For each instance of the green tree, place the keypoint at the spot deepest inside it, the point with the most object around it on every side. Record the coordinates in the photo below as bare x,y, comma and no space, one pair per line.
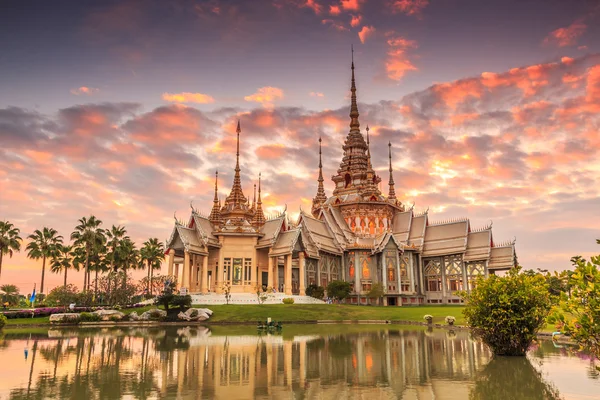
10,241
63,261
339,290
315,291
88,234
10,294
583,306
376,292
508,311
63,295
44,244
152,253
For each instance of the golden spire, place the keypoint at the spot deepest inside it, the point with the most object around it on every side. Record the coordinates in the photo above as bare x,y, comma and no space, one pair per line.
254,199
215,213
392,193
354,124
236,198
368,150
259,216
321,196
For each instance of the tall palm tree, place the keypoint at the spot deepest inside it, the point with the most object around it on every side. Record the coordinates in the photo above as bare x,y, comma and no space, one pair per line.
44,244
88,234
63,261
114,237
129,257
152,253
10,241
99,262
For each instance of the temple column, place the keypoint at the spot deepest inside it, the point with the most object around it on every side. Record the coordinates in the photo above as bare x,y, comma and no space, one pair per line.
276,273
302,363
271,272
204,281
357,273
384,277
253,272
194,273
177,276
302,272
171,259
219,270
399,277
287,359
185,274
288,274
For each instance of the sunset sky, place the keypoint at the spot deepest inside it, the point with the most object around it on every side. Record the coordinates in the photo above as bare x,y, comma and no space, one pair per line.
124,110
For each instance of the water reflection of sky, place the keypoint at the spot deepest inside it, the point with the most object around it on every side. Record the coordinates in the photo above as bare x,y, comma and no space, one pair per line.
306,362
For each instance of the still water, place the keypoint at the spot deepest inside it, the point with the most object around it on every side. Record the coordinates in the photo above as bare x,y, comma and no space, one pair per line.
305,362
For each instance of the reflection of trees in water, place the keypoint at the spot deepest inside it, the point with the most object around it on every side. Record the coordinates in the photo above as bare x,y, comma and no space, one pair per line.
511,378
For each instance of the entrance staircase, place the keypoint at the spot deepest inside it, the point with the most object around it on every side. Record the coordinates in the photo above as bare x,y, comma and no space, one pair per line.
250,298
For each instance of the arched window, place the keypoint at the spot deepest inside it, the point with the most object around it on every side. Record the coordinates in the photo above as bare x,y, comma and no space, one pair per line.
433,275
454,277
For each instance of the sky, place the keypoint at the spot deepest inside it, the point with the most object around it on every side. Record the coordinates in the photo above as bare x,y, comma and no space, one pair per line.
125,109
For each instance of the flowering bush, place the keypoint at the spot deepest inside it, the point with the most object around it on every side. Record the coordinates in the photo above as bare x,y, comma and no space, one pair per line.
288,300
428,318
450,320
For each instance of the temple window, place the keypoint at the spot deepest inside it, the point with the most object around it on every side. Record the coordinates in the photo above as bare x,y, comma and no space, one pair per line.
237,271
247,270
311,272
404,273
226,269
474,270
454,276
335,274
348,179
433,275
371,226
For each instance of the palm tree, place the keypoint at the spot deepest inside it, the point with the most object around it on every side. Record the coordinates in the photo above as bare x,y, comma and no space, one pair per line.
62,261
129,257
10,295
10,241
152,253
44,244
88,234
114,238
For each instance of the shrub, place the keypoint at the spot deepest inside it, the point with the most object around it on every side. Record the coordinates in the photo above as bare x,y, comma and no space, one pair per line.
428,318
583,306
507,312
450,320
288,300
318,292
376,291
339,290
89,317
63,295
2,321
182,302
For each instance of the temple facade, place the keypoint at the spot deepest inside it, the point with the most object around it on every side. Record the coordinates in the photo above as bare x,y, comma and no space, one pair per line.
358,234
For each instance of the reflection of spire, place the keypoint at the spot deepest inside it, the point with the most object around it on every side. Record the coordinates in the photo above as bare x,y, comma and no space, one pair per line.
392,193
259,216
354,124
321,196
215,213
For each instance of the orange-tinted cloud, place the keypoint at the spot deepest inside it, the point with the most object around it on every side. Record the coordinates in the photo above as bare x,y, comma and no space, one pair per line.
187,97
355,20
316,94
266,96
313,5
365,32
335,24
408,7
397,62
84,90
334,10
566,36
350,5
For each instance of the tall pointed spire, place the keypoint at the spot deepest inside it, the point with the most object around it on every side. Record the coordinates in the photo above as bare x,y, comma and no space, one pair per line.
354,124
254,199
215,213
236,198
259,216
369,165
392,192
321,197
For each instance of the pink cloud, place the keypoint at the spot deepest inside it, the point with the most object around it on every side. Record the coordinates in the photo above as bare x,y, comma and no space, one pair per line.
366,32
408,7
334,10
355,20
566,36
187,97
397,62
84,90
350,5
266,96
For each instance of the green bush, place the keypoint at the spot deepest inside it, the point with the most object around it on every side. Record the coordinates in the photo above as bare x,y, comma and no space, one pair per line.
63,296
2,321
318,292
583,306
507,312
288,300
182,302
89,317
339,290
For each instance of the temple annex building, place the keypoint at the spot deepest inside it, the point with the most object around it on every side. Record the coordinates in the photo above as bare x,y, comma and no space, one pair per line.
358,235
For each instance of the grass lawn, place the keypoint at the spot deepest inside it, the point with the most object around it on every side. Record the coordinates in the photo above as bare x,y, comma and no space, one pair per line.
311,312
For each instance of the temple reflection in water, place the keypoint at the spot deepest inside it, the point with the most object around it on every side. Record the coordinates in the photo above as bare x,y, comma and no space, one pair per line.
198,363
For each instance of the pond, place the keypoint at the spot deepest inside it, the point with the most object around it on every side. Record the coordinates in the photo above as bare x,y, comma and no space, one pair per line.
304,362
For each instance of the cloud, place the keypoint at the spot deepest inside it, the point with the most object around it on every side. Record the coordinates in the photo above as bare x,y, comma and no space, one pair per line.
350,5
365,32
408,7
84,90
187,97
355,20
334,10
567,36
313,5
316,94
266,96
335,24
397,62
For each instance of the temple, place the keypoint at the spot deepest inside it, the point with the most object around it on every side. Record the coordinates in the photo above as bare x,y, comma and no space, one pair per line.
358,234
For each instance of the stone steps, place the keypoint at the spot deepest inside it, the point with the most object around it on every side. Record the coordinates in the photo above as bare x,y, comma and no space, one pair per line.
248,298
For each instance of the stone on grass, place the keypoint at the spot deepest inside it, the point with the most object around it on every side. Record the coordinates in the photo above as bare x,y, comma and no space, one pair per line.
194,314
109,315
133,316
153,314
64,318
